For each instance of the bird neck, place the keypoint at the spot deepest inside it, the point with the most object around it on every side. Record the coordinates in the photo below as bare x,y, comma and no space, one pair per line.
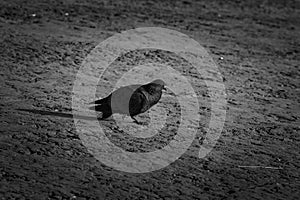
154,97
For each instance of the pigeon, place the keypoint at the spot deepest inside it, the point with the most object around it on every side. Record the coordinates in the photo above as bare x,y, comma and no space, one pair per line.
130,100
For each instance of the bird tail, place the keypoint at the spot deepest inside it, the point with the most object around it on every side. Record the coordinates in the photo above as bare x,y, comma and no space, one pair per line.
100,101
100,108
104,109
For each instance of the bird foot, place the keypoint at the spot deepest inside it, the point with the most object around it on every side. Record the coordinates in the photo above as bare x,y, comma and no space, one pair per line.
137,122
141,123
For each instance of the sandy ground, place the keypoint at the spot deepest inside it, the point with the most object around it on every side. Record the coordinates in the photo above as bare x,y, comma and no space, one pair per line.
254,43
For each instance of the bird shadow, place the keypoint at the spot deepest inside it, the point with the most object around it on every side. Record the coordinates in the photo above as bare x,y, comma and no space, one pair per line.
58,114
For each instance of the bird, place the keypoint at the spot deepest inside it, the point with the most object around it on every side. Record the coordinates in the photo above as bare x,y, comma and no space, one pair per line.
130,100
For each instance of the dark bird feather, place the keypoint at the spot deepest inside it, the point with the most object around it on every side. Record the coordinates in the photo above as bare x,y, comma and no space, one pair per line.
130,100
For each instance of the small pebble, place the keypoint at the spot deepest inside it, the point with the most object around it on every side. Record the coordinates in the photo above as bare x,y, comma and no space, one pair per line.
73,197
66,14
33,15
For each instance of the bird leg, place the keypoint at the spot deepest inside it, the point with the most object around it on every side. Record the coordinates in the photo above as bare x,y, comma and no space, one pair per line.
135,120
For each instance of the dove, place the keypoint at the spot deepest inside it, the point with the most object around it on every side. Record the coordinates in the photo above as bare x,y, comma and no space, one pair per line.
130,100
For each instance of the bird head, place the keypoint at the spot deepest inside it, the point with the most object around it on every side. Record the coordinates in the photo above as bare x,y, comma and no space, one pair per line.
156,86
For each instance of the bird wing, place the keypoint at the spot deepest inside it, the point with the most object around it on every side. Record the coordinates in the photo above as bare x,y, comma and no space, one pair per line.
120,100
130,100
